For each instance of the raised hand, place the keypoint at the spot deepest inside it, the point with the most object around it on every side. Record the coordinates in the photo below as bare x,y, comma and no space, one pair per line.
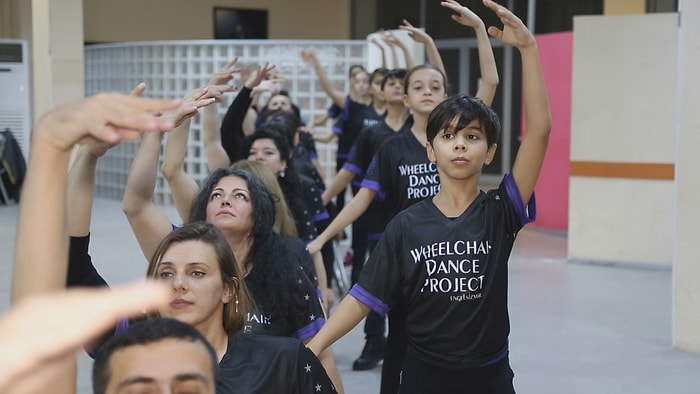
29,344
309,57
225,74
390,38
514,31
108,117
372,39
464,16
253,78
416,34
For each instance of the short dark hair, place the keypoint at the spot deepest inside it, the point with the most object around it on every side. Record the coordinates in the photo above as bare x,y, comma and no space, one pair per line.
464,109
274,131
143,333
396,73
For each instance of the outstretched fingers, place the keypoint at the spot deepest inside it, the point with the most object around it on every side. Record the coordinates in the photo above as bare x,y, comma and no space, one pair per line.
108,117
514,31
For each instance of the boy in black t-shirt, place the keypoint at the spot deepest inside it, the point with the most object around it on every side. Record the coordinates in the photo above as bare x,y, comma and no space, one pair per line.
446,257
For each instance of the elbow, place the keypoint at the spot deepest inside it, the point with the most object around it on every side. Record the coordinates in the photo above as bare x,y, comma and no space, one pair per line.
491,82
170,170
129,208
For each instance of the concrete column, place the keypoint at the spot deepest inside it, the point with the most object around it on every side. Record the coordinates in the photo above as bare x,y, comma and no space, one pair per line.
56,43
686,267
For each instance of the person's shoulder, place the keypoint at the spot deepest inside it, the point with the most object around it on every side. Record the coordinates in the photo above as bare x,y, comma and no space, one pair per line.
273,344
293,245
396,144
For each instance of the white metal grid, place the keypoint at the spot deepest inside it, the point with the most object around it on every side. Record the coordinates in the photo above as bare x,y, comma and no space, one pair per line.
172,68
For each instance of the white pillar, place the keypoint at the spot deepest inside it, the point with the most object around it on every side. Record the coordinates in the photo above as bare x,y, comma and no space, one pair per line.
686,255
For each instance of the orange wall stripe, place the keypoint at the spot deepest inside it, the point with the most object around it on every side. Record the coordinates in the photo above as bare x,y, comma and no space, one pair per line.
604,169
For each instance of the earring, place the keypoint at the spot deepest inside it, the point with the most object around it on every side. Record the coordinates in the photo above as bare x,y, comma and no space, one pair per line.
236,302
282,174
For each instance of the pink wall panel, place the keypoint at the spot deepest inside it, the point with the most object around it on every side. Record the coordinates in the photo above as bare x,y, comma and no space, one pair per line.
552,190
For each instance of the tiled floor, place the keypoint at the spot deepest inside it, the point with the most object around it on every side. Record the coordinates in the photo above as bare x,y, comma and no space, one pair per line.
575,328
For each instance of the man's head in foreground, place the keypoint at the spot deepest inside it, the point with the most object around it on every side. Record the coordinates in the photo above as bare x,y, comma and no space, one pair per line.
155,356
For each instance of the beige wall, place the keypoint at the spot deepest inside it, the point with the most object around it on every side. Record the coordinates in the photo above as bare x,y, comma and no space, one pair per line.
622,131
139,20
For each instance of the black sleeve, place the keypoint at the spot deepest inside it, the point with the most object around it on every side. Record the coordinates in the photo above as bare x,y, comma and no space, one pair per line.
81,271
312,376
232,125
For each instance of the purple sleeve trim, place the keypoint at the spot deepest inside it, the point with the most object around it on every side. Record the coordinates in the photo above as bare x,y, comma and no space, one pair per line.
374,185
313,155
374,236
356,183
352,168
527,214
122,324
310,329
368,299
321,216
337,130
341,155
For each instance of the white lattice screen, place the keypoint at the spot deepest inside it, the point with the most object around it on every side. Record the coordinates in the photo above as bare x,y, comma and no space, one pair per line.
170,69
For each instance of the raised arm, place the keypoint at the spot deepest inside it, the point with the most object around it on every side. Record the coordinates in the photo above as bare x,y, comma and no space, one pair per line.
104,117
350,212
232,124
81,184
107,117
487,62
538,120
182,185
149,224
372,39
336,96
393,41
431,51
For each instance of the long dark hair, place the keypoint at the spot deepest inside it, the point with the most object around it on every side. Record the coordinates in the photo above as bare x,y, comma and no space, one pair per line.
272,275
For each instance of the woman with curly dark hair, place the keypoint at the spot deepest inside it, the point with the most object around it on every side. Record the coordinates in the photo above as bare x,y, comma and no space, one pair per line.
237,203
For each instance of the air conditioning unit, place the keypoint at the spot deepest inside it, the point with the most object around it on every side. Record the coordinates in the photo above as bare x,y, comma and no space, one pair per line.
15,105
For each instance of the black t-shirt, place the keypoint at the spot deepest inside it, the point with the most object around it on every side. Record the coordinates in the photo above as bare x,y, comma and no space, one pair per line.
300,255
401,173
263,364
368,143
354,118
303,197
302,164
363,151
452,273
